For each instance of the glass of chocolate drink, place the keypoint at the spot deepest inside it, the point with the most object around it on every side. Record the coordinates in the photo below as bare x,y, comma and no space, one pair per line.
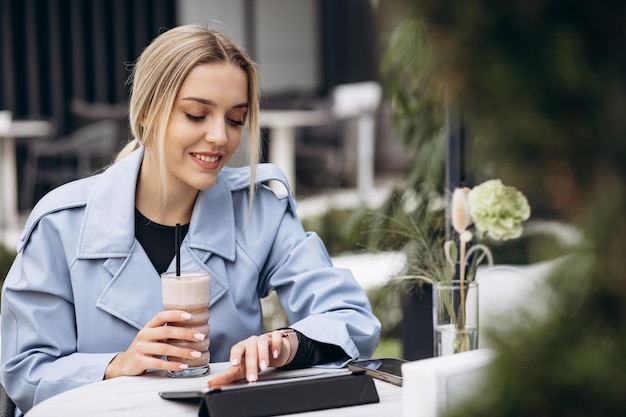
189,292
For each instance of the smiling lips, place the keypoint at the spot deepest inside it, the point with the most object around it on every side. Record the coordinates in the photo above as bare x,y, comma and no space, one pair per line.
206,158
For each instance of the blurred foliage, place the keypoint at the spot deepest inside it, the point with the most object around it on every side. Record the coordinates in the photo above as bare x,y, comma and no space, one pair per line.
6,259
542,86
416,102
537,82
350,231
386,305
356,230
339,229
418,119
389,348
274,316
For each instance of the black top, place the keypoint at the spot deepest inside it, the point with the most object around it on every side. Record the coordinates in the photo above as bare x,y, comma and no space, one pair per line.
159,243
157,240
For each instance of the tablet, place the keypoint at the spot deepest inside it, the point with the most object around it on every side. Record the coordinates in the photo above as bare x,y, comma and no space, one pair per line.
265,378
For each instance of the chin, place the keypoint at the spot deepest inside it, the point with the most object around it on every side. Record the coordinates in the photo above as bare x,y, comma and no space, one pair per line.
205,185
202,181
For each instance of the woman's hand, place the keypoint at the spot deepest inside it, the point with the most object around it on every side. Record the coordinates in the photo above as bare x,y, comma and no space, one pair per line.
150,345
255,354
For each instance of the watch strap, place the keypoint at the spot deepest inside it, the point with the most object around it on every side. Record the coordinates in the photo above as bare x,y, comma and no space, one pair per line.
292,338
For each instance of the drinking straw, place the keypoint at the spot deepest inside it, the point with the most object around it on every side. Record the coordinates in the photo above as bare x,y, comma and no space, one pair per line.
177,239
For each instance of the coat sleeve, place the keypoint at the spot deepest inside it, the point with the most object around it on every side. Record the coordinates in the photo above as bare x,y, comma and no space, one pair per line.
321,301
39,350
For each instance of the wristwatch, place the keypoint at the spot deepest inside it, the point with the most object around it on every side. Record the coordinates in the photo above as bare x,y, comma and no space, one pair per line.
292,338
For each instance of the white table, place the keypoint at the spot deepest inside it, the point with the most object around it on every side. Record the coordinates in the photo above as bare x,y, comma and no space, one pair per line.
8,171
282,125
138,397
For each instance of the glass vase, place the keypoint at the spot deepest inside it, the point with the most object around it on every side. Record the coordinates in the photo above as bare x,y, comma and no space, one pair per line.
455,317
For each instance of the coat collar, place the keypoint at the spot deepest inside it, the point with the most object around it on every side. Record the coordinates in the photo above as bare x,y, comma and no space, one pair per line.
109,224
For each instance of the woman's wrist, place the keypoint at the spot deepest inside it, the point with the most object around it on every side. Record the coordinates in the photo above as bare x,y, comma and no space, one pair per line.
112,369
291,337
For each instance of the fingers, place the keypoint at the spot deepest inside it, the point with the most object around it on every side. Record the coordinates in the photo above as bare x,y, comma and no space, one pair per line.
265,350
276,344
141,356
177,333
251,356
245,362
168,316
244,356
233,373
150,346
157,330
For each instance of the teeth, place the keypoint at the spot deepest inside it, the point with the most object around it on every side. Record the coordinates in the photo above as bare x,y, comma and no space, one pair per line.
205,158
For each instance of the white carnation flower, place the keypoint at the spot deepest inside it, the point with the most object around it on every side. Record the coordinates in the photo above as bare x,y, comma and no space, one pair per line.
498,211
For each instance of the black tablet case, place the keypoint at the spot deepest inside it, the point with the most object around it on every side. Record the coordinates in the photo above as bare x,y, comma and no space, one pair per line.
295,396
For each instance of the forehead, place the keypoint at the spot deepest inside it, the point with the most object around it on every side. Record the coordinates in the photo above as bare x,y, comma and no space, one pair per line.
222,83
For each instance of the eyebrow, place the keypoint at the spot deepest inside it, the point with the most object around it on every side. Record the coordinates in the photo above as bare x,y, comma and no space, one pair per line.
213,103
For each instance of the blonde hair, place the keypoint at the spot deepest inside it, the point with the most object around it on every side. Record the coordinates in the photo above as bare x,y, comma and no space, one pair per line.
160,71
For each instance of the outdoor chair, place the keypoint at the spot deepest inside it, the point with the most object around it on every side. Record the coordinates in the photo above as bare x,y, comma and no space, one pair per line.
341,153
54,162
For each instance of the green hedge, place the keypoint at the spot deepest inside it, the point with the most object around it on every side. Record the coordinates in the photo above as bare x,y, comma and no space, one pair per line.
6,259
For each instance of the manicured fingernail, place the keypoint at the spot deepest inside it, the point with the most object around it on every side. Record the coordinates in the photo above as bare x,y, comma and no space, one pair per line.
234,362
199,336
252,378
195,354
186,316
183,366
275,354
263,365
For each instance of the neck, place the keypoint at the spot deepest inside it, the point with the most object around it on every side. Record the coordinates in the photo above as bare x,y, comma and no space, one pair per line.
175,207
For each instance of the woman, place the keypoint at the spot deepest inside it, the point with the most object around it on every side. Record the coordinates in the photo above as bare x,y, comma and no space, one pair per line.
82,301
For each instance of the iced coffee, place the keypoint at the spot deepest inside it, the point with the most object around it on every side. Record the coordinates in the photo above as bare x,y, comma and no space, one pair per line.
189,292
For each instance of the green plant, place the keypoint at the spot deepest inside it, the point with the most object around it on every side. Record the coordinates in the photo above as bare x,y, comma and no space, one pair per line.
329,227
385,302
543,88
416,97
6,260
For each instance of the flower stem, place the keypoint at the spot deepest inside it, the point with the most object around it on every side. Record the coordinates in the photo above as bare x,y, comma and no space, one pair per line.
464,345
461,323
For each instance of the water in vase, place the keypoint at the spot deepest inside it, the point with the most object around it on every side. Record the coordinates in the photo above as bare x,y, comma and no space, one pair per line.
449,339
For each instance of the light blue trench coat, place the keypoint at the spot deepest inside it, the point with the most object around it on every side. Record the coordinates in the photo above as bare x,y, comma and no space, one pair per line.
81,285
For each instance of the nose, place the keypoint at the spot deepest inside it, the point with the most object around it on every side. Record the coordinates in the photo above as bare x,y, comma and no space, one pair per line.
216,131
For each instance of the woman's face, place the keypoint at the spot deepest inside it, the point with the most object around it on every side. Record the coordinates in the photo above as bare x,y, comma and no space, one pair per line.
206,124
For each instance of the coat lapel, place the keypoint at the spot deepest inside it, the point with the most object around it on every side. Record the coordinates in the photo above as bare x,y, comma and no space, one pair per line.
212,228
134,292
108,229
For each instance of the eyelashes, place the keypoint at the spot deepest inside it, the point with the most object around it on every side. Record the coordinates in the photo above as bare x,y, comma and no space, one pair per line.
199,118
194,118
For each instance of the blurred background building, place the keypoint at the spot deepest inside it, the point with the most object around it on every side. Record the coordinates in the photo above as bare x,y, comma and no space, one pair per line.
67,61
